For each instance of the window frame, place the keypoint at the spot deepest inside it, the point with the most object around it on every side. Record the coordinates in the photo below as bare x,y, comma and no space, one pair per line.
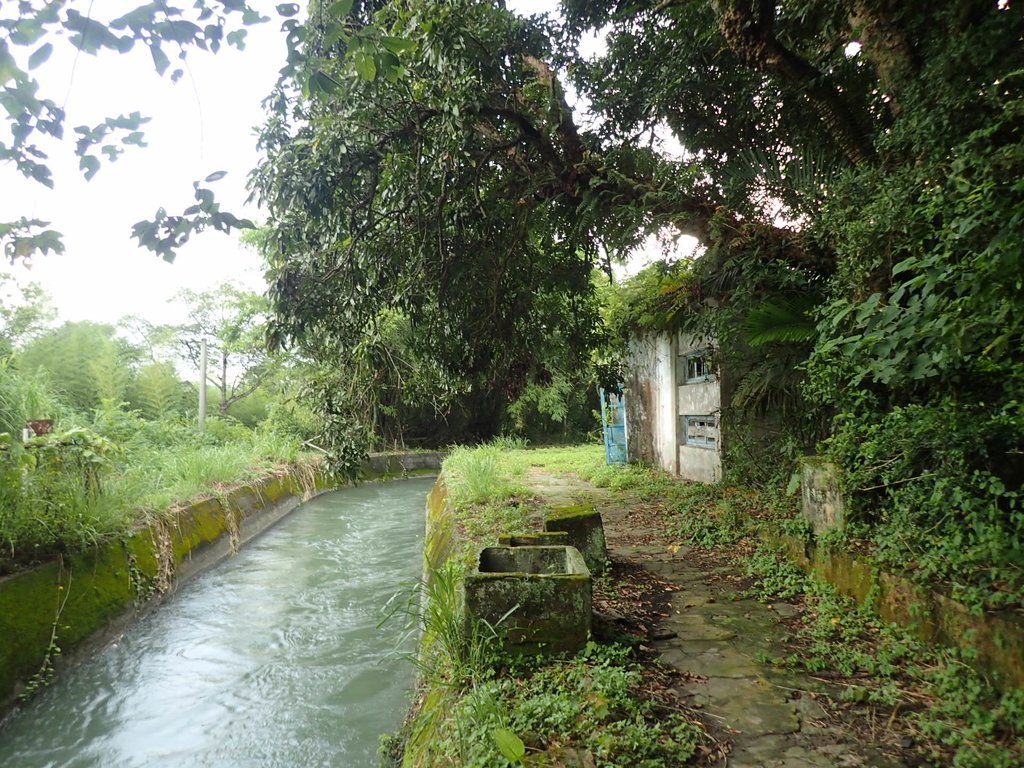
703,358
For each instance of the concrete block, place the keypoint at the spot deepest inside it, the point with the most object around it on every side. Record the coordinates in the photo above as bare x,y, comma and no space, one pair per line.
543,593
586,532
822,499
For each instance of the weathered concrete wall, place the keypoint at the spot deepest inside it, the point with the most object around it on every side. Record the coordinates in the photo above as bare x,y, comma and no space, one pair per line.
401,464
442,542
658,400
995,641
650,402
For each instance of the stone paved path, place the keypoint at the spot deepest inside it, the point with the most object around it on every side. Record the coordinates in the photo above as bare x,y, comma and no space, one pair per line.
770,716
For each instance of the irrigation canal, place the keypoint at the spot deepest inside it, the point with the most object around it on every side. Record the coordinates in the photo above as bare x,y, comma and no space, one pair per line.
272,658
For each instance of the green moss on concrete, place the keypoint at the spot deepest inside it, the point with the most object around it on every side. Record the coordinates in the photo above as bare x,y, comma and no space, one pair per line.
994,642
92,589
539,601
28,605
442,538
421,727
570,512
141,550
583,524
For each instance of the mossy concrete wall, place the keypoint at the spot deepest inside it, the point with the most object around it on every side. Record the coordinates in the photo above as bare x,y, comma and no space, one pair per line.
994,641
379,465
79,601
441,543
821,496
442,540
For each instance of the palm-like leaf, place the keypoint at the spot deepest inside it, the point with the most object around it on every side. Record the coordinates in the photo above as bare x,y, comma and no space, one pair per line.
782,321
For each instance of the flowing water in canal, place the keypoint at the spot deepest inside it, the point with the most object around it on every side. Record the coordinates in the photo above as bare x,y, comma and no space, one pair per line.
272,658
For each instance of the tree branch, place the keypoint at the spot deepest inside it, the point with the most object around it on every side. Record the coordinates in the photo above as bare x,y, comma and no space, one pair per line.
885,45
753,43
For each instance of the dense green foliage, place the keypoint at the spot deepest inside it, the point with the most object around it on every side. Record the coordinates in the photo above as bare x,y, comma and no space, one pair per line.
889,320
952,710
124,445
102,471
851,172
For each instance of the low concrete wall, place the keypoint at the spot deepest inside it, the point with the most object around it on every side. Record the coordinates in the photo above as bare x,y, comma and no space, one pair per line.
401,464
995,641
441,540
441,543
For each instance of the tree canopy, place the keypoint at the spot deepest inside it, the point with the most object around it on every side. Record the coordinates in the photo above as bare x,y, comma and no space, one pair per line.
851,170
30,31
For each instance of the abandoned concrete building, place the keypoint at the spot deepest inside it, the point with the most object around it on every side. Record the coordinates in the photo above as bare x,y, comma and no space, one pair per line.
673,404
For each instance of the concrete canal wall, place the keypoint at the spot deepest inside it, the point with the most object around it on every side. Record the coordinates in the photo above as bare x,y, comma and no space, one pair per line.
62,610
993,641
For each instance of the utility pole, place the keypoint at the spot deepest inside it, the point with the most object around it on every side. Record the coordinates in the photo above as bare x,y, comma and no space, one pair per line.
202,385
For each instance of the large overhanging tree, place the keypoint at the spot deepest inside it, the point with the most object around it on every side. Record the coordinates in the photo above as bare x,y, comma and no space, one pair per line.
432,165
863,157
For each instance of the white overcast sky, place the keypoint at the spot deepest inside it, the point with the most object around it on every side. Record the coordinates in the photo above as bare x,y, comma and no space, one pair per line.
202,124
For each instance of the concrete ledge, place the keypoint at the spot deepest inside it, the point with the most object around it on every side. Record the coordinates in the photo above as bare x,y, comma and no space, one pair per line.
995,640
539,539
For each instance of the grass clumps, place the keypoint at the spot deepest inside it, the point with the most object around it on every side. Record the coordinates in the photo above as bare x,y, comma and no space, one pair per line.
487,489
483,474
68,490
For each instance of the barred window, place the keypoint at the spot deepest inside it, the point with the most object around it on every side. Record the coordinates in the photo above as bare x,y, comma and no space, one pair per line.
700,431
694,367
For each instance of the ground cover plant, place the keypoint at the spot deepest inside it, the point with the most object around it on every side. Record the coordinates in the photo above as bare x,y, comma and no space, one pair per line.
947,710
